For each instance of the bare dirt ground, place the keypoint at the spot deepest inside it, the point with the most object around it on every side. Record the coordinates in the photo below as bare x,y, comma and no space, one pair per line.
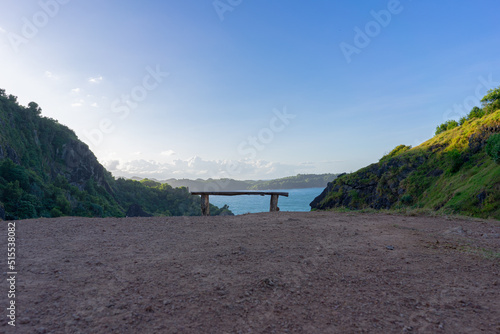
317,272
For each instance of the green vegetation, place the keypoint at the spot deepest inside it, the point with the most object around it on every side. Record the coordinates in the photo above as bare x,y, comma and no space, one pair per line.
455,172
448,125
493,147
396,151
45,171
490,102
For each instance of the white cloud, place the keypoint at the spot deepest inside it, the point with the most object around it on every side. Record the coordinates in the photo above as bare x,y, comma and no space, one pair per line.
112,165
94,105
196,167
78,104
96,80
3,31
50,75
76,91
168,153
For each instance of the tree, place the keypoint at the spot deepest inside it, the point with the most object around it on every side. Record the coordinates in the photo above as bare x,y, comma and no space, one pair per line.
492,96
451,124
476,112
12,98
33,106
14,173
448,125
440,128
491,101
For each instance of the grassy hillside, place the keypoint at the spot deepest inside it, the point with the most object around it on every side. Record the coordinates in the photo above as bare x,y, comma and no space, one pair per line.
45,171
456,172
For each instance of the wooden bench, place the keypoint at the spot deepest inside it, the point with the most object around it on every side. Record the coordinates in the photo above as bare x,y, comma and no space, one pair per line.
205,204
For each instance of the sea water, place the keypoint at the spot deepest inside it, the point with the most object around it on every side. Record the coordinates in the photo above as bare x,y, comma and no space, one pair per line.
297,200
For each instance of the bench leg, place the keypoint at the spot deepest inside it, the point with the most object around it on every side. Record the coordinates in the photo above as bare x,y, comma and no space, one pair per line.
205,205
274,203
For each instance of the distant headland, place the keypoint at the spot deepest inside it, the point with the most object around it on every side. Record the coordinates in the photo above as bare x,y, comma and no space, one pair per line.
299,181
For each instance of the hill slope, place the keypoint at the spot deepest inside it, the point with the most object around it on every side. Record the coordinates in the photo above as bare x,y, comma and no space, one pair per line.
45,171
450,173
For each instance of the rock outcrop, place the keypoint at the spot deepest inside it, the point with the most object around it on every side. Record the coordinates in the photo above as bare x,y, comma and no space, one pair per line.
378,186
81,165
6,152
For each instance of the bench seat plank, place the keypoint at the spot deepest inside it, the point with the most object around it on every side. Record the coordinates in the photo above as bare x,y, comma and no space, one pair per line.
236,193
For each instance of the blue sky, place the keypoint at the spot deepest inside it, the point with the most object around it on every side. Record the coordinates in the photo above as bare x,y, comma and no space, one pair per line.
248,89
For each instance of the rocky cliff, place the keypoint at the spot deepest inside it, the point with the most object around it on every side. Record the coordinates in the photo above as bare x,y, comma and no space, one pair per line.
44,145
377,186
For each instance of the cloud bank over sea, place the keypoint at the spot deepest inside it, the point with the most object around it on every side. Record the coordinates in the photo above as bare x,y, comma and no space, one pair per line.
196,167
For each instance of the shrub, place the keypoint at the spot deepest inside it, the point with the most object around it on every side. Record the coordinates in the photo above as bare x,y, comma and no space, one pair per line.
476,113
440,128
448,125
451,124
63,204
55,212
491,101
456,160
493,147
491,96
396,151
407,199
26,210
12,172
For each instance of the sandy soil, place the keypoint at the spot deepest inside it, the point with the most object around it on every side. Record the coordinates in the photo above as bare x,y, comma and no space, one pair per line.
318,272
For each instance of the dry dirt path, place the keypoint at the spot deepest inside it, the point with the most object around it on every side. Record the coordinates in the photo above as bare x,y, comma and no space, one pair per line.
317,272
